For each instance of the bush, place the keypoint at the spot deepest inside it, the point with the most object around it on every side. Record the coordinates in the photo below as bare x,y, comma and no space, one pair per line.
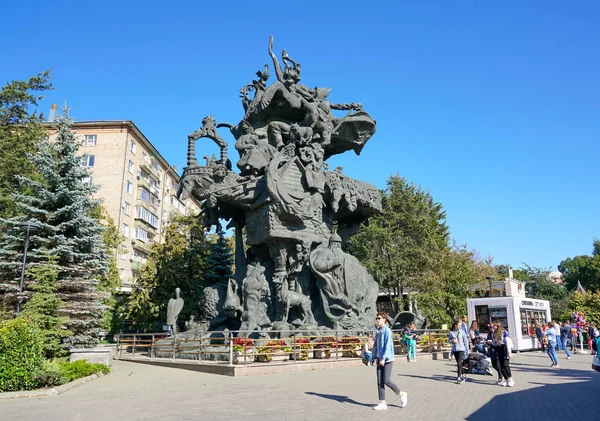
20,355
50,375
81,368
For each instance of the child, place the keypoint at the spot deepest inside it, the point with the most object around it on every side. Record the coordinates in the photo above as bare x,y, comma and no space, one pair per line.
410,340
367,352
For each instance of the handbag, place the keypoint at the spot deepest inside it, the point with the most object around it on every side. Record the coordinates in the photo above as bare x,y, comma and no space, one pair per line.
596,364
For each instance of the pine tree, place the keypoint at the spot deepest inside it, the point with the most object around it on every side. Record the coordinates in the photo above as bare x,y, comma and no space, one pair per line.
62,203
220,261
44,306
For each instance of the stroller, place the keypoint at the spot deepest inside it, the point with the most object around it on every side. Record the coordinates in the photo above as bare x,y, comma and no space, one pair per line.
477,363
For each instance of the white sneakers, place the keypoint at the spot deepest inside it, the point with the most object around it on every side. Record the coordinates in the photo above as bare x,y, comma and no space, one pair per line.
507,383
403,402
403,399
568,358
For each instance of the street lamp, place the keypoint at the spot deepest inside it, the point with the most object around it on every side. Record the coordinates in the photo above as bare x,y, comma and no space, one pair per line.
28,227
490,279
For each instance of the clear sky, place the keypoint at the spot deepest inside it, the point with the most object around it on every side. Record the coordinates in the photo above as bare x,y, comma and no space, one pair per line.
491,106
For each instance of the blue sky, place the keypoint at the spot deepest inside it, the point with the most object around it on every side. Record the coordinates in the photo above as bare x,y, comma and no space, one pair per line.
491,106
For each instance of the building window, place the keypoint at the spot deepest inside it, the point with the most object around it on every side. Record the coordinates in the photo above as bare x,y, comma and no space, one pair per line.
125,230
127,208
144,156
90,140
143,213
129,187
131,167
87,161
156,165
132,147
141,234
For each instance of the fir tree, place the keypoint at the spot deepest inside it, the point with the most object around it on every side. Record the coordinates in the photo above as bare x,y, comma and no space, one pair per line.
44,306
220,261
62,203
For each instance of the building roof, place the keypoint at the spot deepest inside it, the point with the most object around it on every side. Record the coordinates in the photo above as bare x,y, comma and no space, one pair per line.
131,125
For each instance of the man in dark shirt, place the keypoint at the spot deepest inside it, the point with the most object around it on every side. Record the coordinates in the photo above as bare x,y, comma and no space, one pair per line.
565,335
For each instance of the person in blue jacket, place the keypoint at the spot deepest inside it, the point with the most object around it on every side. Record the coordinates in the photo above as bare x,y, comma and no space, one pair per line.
383,356
460,346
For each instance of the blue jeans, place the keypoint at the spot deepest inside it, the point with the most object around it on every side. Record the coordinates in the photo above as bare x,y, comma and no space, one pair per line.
552,353
565,346
558,344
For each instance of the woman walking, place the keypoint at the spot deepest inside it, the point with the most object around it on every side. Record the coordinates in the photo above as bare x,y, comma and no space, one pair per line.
551,348
383,355
502,345
460,346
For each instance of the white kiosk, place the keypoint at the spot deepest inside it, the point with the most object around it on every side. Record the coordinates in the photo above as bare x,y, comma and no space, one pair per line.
516,312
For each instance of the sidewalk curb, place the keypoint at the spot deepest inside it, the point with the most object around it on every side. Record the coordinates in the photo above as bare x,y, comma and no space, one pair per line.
48,392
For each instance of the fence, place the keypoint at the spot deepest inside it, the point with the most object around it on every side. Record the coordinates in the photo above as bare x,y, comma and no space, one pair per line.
239,347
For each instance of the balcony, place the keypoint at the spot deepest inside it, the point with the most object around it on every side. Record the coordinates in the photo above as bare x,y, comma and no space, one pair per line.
146,166
137,265
140,245
140,202
146,225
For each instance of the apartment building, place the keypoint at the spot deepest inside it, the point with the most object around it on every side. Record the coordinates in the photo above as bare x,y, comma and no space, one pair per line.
137,185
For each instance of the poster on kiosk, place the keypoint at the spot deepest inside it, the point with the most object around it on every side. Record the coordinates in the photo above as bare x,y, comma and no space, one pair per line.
508,305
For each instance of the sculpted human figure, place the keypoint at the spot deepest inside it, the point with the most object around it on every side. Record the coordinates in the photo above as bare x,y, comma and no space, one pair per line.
255,153
328,266
174,307
256,296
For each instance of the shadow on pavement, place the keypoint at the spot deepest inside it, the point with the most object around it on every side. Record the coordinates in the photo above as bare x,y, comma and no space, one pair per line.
342,399
574,399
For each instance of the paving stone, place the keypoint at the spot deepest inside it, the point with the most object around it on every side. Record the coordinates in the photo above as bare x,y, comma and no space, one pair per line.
142,392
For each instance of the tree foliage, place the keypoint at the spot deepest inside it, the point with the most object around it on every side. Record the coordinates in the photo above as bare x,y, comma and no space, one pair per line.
588,303
220,260
20,133
179,262
61,201
43,308
402,246
444,298
585,269
539,286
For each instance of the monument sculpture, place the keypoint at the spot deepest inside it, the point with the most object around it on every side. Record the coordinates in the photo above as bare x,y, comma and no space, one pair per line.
174,307
288,210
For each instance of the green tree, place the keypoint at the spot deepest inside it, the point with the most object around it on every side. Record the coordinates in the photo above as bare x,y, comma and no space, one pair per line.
110,282
179,262
444,298
589,304
539,286
585,269
220,260
62,202
43,308
402,246
20,133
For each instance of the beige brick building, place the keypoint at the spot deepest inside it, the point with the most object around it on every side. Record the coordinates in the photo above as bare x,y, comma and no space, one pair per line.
137,185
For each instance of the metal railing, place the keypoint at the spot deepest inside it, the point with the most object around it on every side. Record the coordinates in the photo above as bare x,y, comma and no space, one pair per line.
241,347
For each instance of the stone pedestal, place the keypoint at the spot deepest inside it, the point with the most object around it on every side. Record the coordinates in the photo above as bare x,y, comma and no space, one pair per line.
92,355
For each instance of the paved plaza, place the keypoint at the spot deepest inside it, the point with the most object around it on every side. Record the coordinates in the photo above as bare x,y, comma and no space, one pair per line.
141,392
